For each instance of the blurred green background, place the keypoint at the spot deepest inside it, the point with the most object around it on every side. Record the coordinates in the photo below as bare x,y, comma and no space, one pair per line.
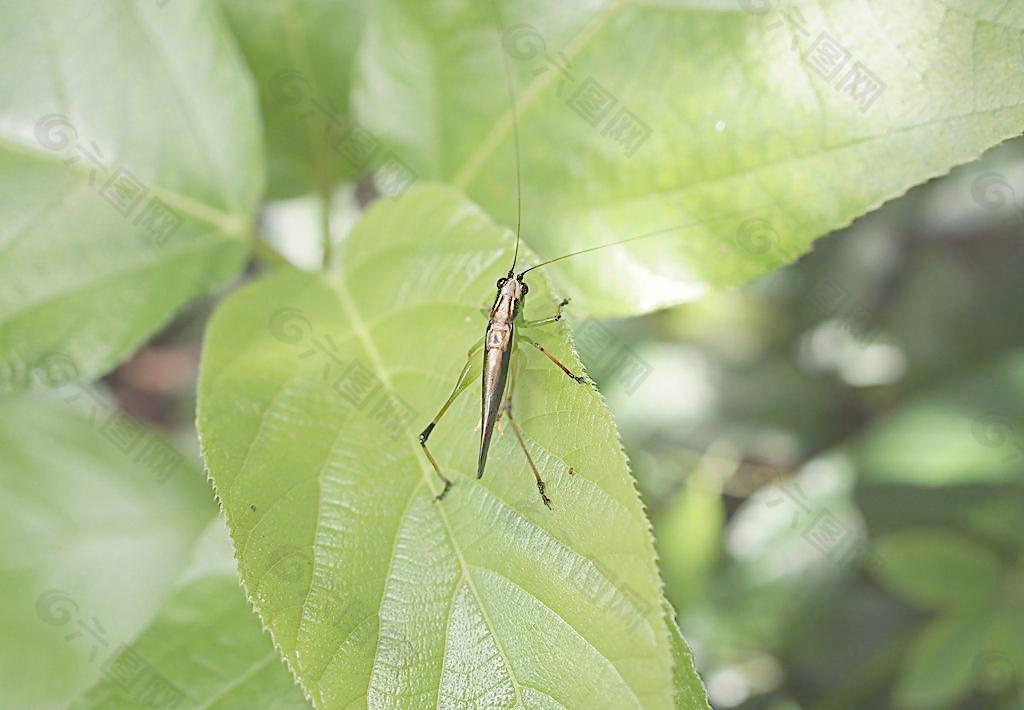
831,456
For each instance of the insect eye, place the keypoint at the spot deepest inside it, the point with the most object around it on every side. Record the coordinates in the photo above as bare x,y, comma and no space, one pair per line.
526,289
501,282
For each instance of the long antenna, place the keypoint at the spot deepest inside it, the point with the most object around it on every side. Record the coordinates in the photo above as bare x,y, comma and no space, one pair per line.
645,235
515,129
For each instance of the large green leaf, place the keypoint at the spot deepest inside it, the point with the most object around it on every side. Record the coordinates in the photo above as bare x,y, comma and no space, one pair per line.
130,166
980,648
943,659
744,133
310,397
970,430
205,648
301,53
935,569
90,539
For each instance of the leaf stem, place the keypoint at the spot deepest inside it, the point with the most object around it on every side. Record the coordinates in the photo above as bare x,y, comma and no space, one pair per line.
325,226
266,254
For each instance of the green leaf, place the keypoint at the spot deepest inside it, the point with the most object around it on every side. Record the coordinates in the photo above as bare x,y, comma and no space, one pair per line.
127,181
301,53
92,541
205,648
690,693
935,569
999,519
970,430
942,661
310,397
744,134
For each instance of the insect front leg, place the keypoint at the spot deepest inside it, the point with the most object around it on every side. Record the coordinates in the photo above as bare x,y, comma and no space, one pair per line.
552,358
465,378
550,319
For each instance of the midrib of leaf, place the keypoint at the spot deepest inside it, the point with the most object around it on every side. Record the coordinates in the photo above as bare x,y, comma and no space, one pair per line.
528,96
362,334
231,225
123,269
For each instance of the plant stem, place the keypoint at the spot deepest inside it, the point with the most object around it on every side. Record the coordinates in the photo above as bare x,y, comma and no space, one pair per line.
325,227
268,255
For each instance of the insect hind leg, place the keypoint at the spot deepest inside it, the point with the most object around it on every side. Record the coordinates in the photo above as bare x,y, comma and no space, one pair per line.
465,378
541,486
437,469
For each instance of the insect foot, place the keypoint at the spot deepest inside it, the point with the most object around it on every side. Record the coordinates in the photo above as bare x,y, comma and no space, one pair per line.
440,496
543,495
558,311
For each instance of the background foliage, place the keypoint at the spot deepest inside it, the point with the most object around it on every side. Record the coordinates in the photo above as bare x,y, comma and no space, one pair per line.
830,454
